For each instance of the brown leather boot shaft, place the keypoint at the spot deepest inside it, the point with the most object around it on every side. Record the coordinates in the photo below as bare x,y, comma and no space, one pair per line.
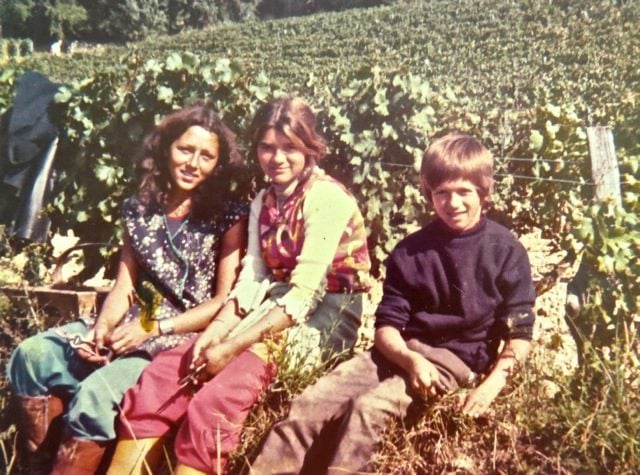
36,415
79,457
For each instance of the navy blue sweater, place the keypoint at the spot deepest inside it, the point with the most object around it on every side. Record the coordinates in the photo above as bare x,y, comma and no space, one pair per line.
461,291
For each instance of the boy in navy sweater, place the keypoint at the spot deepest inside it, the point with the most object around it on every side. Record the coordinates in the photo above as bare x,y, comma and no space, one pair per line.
453,291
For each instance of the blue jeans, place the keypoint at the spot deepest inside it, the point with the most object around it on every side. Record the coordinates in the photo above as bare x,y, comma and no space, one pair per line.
46,364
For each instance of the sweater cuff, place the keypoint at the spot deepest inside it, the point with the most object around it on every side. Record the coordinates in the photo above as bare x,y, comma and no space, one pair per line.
520,326
299,303
249,295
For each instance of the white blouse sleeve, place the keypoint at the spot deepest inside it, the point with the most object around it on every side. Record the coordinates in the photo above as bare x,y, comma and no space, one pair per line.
253,281
326,213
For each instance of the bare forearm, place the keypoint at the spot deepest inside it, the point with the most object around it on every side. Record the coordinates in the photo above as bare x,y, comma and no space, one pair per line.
197,318
390,343
114,307
510,360
273,322
224,322
121,296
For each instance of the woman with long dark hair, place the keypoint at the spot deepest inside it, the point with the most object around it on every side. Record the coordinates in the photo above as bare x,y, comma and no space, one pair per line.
183,239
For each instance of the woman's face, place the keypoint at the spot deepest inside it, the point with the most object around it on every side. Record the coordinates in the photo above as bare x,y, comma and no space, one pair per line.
193,157
280,159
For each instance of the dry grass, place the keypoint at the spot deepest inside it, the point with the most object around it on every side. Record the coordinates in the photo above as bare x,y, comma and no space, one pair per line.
554,418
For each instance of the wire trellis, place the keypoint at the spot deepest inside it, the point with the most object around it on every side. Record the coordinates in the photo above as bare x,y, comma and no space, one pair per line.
512,175
538,178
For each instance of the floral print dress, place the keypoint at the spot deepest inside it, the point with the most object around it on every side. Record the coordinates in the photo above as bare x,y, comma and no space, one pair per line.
177,264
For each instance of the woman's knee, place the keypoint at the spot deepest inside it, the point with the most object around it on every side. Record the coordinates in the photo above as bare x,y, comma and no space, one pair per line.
30,365
227,401
33,351
92,411
42,355
222,409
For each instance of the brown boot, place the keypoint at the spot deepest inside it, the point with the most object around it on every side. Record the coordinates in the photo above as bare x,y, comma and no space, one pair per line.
79,457
40,426
36,415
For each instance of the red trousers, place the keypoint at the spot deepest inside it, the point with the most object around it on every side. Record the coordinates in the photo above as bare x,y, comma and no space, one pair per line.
218,409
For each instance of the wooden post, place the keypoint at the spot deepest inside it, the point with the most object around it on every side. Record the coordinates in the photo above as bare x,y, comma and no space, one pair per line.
604,165
606,177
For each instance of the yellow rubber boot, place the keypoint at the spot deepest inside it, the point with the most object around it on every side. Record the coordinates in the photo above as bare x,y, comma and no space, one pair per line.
186,470
135,456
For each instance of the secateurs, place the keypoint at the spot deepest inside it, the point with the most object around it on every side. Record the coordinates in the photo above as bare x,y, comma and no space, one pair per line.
78,342
190,380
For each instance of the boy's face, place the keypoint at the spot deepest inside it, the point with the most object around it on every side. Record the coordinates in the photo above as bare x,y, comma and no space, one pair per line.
458,204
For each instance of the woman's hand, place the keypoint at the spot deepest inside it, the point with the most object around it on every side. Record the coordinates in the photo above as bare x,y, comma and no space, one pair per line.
216,331
216,359
127,337
100,331
210,337
93,355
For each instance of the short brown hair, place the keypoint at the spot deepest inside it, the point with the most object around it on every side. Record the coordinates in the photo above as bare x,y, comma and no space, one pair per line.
294,118
457,156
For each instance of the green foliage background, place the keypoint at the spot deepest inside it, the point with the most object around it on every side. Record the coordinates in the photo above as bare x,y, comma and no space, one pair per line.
44,21
527,77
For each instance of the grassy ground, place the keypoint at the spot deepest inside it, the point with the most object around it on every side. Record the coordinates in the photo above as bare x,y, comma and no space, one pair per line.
553,418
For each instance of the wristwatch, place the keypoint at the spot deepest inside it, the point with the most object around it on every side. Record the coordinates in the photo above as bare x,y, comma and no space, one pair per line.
166,326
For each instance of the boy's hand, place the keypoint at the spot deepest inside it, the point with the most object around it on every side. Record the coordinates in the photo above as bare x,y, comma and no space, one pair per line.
479,400
424,377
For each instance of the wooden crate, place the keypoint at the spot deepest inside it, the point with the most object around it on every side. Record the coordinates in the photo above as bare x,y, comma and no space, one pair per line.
58,305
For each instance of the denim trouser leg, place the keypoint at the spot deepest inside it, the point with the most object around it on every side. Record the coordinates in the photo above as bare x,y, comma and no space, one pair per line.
93,411
45,363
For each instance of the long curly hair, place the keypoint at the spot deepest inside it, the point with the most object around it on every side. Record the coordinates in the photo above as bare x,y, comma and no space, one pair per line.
152,166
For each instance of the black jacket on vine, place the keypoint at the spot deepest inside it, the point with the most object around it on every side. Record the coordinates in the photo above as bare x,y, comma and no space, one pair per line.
27,148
